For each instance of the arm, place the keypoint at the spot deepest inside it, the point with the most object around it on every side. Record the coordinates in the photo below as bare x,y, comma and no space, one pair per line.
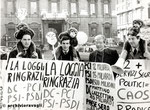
123,54
90,57
116,56
39,55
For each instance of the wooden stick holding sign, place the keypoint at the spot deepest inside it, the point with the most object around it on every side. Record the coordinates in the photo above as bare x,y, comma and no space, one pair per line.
51,39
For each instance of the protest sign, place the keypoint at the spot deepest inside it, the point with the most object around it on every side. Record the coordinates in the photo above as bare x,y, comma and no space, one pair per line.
133,86
63,86
2,77
36,84
100,87
23,84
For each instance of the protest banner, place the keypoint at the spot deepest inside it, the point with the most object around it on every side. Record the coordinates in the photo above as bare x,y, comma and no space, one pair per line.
63,86
133,86
2,77
23,84
35,84
100,87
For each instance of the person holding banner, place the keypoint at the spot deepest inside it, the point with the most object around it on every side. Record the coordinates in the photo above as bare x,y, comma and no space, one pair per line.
25,47
103,54
66,51
134,47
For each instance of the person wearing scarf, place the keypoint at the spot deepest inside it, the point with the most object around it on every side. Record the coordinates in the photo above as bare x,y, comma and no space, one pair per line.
25,47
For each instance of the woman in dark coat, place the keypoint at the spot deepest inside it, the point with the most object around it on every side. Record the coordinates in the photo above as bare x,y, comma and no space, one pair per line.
25,47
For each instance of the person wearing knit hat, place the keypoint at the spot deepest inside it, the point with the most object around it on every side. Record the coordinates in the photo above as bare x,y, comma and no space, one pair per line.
65,51
72,33
25,47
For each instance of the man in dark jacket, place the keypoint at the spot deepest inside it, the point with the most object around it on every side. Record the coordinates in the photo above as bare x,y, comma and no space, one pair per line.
25,47
66,51
103,54
134,47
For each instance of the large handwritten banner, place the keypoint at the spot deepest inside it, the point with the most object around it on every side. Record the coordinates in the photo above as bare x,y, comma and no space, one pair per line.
23,84
42,84
133,86
63,86
100,87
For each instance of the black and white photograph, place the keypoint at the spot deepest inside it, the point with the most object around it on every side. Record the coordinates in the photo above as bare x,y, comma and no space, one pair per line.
75,55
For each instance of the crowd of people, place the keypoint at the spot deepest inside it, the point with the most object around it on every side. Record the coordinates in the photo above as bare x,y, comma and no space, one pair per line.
134,47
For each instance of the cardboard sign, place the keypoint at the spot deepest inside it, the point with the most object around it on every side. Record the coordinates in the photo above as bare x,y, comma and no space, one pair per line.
100,87
133,86
63,86
32,84
23,84
3,64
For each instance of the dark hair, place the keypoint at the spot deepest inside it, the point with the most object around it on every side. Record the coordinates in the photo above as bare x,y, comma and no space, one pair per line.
73,41
64,37
20,33
72,29
22,26
133,32
127,46
138,21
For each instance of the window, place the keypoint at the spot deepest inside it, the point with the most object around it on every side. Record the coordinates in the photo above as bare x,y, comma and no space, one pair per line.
93,28
107,29
119,19
138,14
130,17
149,12
92,7
75,25
10,30
107,32
73,7
10,7
106,7
33,7
36,28
124,18
54,6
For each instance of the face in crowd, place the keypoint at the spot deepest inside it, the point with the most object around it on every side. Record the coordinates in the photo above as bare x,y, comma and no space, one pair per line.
133,37
100,42
26,40
73,34
65,44
133,40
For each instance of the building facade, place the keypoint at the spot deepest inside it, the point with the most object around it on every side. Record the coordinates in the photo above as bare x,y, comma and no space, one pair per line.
90,16
129,10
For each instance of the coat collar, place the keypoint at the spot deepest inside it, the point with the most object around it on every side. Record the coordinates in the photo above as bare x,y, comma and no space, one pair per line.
31,48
